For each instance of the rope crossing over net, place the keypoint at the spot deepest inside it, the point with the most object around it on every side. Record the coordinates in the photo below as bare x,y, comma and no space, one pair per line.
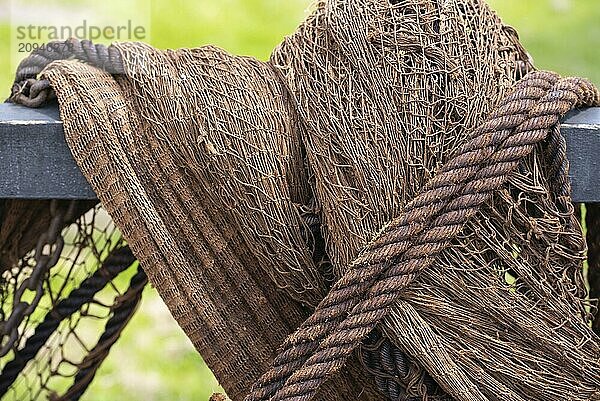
410,243
261,197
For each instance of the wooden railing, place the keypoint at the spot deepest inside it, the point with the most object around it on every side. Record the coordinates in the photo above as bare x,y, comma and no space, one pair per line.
35,162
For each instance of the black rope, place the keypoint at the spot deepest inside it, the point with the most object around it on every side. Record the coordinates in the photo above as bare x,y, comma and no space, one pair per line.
118,260
28,91
123,311
395,374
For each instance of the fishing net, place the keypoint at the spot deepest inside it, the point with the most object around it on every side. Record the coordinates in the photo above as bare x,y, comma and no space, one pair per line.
65,301
381,210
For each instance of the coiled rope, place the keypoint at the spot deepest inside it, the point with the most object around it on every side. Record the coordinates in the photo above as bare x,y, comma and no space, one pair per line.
395,374
27,90
410,243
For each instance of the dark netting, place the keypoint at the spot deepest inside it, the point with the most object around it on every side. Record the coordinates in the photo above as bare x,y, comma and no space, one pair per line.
65,302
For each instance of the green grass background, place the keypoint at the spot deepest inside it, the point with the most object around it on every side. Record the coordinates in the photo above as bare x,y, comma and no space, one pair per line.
154,361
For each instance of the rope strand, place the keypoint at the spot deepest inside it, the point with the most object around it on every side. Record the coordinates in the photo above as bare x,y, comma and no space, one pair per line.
410,243
28,91
592,219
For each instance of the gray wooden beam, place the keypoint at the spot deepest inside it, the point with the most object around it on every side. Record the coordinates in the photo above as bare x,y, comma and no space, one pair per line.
581,128
35,161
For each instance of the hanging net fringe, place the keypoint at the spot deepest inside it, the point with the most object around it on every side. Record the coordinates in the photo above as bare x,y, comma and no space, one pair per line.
65,303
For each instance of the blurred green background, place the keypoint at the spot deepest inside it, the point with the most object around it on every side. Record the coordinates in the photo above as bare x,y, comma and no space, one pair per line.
154,360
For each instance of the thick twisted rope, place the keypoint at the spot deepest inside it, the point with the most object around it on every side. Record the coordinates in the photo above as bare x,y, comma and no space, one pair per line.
386,362
411,242
27,90
395,375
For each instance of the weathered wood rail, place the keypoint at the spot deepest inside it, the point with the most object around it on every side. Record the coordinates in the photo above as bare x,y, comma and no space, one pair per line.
35,162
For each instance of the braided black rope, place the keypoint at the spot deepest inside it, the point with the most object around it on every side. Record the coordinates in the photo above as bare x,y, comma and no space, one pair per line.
395,375
118,260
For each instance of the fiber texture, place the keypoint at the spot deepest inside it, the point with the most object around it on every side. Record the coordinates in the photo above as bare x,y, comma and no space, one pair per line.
394,176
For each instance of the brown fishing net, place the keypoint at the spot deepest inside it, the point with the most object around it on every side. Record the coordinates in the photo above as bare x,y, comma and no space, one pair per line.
380,211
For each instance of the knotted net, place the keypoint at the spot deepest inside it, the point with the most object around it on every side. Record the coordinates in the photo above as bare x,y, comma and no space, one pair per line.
69,287
382,209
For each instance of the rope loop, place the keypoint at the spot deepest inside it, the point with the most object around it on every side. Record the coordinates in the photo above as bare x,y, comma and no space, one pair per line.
29,91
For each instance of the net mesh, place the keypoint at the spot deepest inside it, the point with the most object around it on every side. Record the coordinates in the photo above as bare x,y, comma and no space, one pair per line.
73,284
307,194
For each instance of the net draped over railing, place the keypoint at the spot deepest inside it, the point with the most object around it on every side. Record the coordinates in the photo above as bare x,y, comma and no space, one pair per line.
381,210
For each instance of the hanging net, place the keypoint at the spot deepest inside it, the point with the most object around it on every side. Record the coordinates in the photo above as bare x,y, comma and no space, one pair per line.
380,211
65,301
